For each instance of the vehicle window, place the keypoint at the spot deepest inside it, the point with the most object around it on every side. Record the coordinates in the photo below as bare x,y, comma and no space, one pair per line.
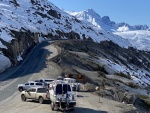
31,84
37,81
39,84
68,81
73,81
41,80
58,89
32,90
42,90
45,84
59,78
66,88
26,84
49,80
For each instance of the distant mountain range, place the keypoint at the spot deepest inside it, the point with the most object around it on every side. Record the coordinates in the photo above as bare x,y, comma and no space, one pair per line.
138,35
104,22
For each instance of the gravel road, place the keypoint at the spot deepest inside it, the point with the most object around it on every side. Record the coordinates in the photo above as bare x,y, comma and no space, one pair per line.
34,67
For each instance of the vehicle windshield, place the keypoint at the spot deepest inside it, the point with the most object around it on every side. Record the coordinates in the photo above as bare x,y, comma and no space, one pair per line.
42,90
62,90
66,88
70,80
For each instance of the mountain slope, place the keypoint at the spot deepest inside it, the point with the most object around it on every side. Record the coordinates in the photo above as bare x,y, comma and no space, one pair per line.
128,66
26,22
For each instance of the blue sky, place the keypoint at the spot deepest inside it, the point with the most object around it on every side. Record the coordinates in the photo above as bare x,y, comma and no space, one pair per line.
130,11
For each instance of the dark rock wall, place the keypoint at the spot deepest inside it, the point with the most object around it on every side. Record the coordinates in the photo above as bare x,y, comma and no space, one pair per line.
20,45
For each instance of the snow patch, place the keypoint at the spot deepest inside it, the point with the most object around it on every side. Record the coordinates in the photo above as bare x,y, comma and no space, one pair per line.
137,75
41,39
4,63
19,58
6,36
123,28
2,46
139,39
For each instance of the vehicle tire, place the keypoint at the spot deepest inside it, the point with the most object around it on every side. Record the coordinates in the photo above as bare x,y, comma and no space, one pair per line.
41,100
52,106
20,89
23,98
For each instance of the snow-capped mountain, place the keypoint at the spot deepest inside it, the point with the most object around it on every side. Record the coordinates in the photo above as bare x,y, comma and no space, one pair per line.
26,22
104,22
137,35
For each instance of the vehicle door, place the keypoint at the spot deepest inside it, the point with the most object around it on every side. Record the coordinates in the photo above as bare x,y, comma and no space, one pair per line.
32,84
31,93
72,82
27,85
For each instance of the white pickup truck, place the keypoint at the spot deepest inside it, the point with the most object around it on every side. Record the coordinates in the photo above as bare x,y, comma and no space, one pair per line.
62,97
75,86
35,93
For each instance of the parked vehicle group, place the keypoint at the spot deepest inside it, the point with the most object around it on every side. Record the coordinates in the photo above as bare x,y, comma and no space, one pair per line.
59,92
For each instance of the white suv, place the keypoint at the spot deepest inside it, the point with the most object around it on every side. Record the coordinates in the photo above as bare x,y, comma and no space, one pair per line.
48,81
29,84
73,83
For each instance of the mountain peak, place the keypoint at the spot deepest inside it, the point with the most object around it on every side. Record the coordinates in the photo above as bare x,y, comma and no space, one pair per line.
106,19
91,13
90,10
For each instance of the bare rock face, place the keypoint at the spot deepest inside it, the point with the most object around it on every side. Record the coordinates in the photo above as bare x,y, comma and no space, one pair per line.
54,14
20,45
